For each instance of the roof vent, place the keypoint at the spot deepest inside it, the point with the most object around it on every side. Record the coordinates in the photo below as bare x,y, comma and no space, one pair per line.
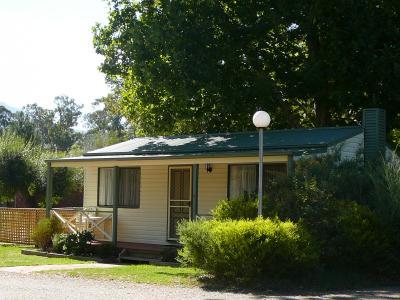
374,123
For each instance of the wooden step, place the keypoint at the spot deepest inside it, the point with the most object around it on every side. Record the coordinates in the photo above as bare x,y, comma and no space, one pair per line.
139,259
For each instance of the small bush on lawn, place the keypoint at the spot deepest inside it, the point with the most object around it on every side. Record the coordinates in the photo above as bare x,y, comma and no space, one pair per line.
44,231
59,241
79,243
247,248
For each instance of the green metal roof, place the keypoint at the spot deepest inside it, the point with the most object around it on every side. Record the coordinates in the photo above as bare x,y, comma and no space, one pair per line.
275,141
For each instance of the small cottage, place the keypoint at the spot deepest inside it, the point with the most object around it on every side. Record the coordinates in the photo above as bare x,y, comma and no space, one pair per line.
149,184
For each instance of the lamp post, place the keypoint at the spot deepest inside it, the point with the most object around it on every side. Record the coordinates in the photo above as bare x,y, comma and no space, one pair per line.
261,120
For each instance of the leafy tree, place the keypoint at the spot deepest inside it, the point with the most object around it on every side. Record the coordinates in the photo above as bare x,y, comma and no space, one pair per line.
50,128
192,66
5,117
42,119
67,113
106,125
104,118
23,126
17,173
23,171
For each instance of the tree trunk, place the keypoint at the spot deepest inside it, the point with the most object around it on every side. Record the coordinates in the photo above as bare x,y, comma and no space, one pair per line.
322,116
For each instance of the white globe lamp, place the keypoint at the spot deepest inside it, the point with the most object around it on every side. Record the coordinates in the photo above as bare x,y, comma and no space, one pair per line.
261,119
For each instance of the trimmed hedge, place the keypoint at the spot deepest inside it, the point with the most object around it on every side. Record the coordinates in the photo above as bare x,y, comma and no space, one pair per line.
247,248
235,209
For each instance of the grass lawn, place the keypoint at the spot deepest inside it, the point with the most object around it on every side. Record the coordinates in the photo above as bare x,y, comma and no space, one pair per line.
140,274
11,256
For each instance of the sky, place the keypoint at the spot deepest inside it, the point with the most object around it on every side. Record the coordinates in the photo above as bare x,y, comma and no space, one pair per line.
46,50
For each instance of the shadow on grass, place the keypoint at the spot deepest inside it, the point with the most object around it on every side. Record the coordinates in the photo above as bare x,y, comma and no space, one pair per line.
333,284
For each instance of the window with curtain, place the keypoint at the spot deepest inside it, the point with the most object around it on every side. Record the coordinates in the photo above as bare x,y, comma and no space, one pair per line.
129,187
243,179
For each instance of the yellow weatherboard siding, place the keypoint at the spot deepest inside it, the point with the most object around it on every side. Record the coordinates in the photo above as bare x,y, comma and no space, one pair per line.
148,224
212,187
90,187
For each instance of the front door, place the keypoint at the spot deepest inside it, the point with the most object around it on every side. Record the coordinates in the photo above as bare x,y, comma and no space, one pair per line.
179,197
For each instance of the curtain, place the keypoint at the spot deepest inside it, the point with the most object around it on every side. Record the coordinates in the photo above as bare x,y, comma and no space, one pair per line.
129,187
105,187
242,181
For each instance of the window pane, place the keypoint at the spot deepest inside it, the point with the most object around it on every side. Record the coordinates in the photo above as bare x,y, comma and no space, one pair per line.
242,181
129,187
105,187
180,184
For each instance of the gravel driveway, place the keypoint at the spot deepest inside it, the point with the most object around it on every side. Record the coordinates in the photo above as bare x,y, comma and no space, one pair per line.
39,286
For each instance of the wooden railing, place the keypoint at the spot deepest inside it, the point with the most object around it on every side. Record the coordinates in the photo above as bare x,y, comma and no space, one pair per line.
17,224
78,219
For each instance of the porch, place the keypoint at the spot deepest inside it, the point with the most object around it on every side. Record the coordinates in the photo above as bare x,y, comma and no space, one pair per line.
163,191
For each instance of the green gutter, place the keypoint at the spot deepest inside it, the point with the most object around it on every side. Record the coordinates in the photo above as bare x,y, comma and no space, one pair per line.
185,156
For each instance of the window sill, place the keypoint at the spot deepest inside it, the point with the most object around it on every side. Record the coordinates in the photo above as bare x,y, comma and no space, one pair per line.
110,206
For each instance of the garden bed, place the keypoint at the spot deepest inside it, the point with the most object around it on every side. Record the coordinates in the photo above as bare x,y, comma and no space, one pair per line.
11,256
38,252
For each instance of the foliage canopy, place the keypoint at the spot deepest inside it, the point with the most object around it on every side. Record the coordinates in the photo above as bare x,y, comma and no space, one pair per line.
195,66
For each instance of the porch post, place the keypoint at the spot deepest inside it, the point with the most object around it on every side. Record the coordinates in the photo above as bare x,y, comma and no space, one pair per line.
49,189
115,188
195,190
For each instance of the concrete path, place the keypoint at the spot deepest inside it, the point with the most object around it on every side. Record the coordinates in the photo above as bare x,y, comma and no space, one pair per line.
49,286
32,269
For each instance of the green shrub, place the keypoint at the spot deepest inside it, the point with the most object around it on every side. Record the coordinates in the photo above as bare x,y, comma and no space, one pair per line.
59,240
351,237
44,231
340,179
79,243
247,248
385,178
235,209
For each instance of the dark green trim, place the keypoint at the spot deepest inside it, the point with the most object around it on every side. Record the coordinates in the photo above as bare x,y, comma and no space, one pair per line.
183,156
229,182
168,187
195,191
115,187
49,189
